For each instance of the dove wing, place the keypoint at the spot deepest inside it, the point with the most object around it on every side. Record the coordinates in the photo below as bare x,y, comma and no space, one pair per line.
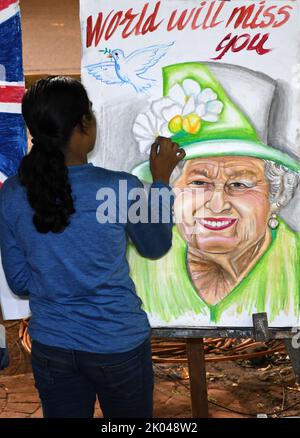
104,72
141,60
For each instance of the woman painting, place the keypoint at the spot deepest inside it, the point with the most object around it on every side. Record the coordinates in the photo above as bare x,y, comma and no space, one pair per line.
90,336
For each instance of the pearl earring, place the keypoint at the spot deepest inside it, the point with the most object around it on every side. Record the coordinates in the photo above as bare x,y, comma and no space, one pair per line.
273,222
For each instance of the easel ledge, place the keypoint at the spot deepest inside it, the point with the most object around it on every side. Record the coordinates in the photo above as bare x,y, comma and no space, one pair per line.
208,332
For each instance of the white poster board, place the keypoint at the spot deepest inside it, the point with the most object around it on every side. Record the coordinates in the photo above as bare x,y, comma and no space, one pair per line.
222,78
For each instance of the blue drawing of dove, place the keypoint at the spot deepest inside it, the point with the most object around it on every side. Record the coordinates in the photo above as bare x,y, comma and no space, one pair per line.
129,69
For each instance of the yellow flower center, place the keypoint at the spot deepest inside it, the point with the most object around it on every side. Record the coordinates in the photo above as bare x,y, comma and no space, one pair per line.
192,123
175,124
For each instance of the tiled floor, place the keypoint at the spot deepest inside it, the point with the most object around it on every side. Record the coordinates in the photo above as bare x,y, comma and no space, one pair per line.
241,389
19,399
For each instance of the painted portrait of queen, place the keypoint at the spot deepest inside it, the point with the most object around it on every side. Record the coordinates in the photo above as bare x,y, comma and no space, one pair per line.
236,249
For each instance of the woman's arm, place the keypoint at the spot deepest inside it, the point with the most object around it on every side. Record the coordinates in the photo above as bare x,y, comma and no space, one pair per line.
152,238
13,259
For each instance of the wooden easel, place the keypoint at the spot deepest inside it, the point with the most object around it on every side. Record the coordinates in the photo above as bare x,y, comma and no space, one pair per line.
195,352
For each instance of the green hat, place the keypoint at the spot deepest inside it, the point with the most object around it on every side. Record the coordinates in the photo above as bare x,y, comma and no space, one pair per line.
209,124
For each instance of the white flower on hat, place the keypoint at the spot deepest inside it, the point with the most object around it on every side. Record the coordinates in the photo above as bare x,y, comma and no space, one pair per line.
147,127
183,109
190,106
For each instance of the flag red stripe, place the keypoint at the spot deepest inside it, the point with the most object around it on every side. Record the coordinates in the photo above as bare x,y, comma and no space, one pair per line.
11,94
5,3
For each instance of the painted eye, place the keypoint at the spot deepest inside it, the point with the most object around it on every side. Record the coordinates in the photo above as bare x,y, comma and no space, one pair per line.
199,183
238,185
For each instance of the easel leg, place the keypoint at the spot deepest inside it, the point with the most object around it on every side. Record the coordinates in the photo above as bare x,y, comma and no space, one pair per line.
294,354
196,361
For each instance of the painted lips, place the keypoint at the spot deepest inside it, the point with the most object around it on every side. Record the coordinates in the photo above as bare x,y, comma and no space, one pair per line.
217,224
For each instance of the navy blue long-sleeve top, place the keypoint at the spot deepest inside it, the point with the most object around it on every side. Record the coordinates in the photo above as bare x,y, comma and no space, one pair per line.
80,291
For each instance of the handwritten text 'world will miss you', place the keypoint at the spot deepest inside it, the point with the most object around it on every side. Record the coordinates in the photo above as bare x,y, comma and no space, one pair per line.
208,15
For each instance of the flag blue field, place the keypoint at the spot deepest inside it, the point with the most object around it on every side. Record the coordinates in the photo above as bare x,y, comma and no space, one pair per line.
13,143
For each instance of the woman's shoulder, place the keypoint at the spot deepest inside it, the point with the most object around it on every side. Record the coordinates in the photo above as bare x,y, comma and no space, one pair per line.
12,195
11,187
115,176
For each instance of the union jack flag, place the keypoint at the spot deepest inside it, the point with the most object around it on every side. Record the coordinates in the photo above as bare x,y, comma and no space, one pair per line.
13,143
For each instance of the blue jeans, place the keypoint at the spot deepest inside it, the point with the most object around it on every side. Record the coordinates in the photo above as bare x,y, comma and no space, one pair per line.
69,381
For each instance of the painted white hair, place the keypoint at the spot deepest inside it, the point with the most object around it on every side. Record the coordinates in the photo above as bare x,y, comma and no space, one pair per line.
282,181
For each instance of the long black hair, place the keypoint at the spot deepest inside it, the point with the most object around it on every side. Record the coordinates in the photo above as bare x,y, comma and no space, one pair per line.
51,108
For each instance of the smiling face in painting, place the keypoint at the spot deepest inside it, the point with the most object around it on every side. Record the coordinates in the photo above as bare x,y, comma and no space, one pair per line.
222,204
